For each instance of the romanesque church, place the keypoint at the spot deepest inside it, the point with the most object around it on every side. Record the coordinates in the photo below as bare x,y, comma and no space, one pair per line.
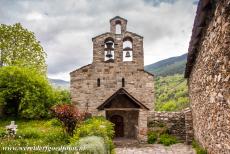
115,84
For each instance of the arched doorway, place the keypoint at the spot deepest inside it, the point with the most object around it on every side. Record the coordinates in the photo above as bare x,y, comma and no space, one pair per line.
119,125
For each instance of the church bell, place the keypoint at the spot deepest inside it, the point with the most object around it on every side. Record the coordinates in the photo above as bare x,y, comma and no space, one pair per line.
109,48
109,54
127,55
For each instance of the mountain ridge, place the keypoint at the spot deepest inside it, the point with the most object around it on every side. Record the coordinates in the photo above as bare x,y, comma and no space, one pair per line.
169,66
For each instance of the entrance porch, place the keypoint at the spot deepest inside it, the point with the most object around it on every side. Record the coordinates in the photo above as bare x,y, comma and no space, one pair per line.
125,122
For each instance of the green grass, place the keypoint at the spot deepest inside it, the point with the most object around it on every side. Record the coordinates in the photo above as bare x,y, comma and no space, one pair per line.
34,133
198,148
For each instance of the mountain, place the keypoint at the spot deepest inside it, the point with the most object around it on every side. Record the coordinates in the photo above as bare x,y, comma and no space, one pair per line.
58,83
170,66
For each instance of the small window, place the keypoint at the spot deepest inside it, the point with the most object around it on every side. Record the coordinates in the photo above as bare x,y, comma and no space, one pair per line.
98,82
123,82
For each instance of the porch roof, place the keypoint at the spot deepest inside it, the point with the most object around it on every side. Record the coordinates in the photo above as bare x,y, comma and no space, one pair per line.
122,91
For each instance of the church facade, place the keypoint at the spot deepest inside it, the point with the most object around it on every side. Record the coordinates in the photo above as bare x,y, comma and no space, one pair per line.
115,84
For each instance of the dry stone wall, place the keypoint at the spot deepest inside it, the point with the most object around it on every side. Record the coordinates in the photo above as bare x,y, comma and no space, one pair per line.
178,124
209,82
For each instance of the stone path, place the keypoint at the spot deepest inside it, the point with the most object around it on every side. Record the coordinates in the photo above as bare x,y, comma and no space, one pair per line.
157,149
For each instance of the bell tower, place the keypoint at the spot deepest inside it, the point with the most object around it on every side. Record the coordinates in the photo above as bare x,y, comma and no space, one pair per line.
119,47
118,25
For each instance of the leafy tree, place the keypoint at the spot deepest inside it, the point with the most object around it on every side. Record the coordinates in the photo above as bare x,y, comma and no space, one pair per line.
18,46
62,96
24,92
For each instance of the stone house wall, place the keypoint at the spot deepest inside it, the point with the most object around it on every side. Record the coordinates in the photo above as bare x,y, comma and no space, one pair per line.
179,124
209,78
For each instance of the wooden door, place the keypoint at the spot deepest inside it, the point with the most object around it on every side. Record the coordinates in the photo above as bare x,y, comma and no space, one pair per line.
119,125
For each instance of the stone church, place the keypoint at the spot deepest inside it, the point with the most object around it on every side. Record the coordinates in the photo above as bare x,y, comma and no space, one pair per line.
115,84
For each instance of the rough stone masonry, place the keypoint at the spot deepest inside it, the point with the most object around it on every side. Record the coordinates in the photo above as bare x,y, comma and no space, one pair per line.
208,73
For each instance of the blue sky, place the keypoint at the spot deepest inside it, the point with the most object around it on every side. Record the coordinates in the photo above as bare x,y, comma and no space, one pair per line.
65,27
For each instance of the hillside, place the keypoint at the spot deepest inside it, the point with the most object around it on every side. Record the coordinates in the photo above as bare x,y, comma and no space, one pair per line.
171,93
58,83
170,66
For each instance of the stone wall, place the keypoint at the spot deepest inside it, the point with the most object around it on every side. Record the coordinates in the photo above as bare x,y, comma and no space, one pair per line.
209,86
178,124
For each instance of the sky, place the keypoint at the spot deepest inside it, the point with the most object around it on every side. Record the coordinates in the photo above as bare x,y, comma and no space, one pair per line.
65,28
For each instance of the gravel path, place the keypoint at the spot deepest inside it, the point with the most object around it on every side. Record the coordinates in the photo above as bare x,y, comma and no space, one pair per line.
157,149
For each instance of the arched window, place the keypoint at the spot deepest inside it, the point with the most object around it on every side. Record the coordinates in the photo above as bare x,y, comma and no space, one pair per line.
118,27
123,82
109,50
127,49
98,82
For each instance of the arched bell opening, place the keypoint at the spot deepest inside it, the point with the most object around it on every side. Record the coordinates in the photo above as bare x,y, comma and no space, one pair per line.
127,49
109,50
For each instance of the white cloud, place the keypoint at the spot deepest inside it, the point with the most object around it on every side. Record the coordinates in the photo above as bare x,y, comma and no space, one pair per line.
34,16
65,28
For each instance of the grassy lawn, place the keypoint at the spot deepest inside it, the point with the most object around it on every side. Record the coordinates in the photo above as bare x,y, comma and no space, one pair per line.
34,133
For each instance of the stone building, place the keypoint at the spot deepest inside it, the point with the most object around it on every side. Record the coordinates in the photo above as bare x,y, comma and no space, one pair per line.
208,73
115,84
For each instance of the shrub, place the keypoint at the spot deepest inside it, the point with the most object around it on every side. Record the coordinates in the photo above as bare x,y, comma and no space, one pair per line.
198,148
62,95
96,126
25,92
92,144
69,115
152,137
167,139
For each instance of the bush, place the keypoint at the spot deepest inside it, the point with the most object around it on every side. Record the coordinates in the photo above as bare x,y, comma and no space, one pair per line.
198,148
152,137
62,95
167,139
92,145
96,126
69,115
25,92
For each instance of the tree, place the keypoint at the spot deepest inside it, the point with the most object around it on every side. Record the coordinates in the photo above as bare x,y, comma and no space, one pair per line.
25,93
18,46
